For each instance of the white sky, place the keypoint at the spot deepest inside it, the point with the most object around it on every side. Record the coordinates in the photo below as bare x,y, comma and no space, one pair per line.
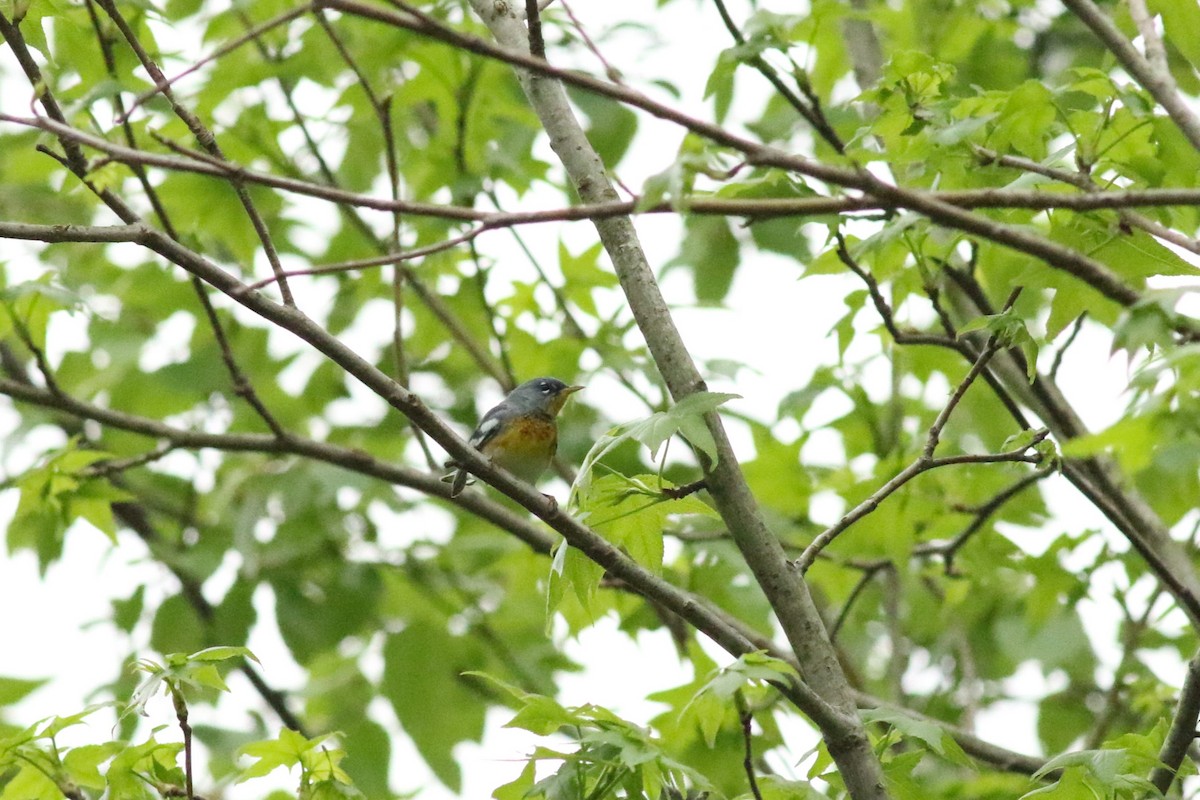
773,323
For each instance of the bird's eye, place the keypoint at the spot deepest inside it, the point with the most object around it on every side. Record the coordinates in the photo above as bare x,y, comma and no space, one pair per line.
545,390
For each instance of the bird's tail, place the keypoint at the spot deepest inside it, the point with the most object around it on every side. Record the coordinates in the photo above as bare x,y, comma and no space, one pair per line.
458,481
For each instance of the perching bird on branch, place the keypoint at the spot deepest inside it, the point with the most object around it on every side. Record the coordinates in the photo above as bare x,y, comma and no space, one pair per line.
520,434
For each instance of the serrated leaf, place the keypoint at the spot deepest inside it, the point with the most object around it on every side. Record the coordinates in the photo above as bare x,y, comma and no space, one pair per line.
12,690
223,653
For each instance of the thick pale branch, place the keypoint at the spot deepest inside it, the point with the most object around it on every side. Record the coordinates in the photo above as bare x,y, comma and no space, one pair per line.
789,597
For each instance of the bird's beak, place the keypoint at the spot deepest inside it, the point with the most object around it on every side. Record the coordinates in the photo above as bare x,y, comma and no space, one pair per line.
572,390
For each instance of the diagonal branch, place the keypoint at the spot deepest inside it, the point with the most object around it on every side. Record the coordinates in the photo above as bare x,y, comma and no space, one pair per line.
1097,477
728,631
751,209
1017,238
948,550
1155,80
809,110
1182,731
924,463
206,139
703,616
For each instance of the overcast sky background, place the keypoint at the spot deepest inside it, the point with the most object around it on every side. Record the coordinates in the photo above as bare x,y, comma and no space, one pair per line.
774,323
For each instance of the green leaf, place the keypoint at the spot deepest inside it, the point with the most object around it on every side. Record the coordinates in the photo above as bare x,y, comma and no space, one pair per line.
83,763
1026,121
285,751
422,679
1181,20
542,715
712,253
519,788
223,654
1131,253
13,690
127,612
719,85
177,627
932,736
30,783
611,125
1131,441
685,417
1062,718
207,675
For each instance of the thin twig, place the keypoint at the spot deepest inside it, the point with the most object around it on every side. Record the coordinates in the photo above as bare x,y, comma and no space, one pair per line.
493,318
1132,634
206,139
766,208
948,550
573,328
935,430
611,72
381,104
388,259
746,718
533,19
252,35
241,384
181,714
809,112
882,306
1096,477
1083,180
103,469
680,492
864,580
923,463
39,357
1062,351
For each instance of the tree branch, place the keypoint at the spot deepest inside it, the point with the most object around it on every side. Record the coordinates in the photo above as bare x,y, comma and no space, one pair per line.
711,621
844,734
1157,82
925,461
746,718
1183,728
1096,477
809,111
1055,255
206,139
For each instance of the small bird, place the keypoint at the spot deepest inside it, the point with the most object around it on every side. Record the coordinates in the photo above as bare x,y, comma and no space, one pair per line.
520,434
